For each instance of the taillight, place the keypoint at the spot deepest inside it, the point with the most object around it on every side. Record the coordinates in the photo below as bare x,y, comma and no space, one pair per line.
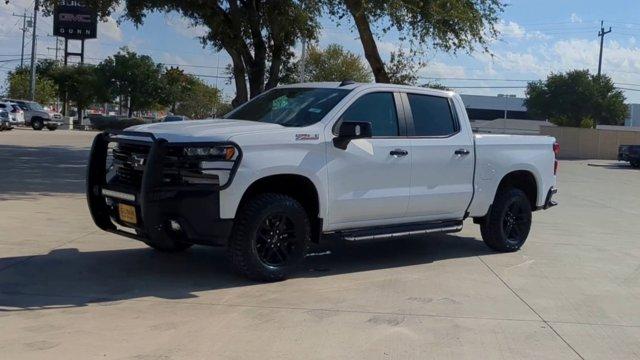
556,151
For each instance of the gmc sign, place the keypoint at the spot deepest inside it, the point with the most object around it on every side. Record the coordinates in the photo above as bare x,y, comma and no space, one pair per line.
75,22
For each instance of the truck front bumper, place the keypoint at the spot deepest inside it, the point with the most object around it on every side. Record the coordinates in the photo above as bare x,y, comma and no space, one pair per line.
188,213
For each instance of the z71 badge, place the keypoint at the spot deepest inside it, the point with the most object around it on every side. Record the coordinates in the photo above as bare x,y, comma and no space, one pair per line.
306,137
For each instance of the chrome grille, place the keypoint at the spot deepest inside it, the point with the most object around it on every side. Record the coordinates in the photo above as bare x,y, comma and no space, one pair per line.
129,161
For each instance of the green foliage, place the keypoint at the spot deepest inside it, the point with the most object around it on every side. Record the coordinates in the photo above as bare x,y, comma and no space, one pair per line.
587,123
257,35
442,25
176,87
202,101
435,85
134,77
568,99
81,83
334,63
18,87
402,68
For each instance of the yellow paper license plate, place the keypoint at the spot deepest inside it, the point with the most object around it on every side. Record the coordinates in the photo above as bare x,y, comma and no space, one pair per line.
127,213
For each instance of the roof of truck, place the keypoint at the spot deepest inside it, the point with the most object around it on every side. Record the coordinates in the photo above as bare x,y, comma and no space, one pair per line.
355,85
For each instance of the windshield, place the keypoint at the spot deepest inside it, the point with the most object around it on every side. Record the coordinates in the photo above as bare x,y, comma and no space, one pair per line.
295,107
35,106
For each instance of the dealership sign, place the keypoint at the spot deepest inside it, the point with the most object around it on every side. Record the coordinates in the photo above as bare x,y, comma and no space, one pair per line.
75,22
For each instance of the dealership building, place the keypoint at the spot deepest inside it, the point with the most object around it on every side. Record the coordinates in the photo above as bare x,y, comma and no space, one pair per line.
484,109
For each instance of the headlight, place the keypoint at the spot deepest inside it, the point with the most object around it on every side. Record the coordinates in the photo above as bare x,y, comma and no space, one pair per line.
216,152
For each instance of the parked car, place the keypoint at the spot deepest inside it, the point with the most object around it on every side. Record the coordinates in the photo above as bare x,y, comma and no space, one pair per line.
171,118
5,120
16,114
36,116
630,153
318,162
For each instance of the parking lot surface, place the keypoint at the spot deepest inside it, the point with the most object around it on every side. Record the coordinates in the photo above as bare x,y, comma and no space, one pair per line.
68,290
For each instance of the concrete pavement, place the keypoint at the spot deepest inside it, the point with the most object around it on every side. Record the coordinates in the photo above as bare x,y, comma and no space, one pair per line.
68,290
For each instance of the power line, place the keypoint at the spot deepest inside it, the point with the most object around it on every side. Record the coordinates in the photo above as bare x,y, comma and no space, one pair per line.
474,79
24,17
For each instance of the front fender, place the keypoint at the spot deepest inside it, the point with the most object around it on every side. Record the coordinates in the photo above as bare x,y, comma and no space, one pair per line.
306,160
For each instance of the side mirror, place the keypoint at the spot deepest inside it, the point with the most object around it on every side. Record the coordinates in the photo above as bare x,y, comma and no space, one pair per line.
351,130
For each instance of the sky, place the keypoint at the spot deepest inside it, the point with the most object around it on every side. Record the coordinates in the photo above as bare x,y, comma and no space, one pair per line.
537,37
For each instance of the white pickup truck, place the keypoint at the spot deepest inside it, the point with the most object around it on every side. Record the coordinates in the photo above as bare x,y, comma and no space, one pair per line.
314,162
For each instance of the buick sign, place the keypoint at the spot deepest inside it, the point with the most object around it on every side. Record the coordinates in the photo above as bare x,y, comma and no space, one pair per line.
74,22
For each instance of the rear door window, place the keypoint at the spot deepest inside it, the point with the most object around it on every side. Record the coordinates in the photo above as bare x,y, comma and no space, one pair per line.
432,115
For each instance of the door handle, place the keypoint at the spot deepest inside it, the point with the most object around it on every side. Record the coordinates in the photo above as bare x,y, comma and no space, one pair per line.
398,153
461,152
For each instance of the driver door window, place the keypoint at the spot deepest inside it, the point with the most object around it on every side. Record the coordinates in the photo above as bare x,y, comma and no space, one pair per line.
377,108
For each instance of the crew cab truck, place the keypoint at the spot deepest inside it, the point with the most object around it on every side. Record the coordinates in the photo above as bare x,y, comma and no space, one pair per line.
315,162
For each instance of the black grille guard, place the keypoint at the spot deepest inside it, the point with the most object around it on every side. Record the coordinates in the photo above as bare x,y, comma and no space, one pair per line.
151,186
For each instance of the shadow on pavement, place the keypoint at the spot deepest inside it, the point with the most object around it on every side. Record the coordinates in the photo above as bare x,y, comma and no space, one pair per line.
49,170
615,166
70,278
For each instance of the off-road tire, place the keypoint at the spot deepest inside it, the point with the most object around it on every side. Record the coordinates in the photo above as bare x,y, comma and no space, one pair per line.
635,164
244,244
37,124
495,225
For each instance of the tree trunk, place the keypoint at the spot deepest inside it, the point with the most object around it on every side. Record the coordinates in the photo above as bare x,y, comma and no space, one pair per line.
256,78
371,53
239,78
257,65
274,69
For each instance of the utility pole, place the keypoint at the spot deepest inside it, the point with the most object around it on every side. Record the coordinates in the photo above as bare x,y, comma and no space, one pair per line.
601,34
303,59
24,31
57,47
32,87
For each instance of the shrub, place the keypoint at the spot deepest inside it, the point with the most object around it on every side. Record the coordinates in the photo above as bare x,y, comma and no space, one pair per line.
587,123
113,122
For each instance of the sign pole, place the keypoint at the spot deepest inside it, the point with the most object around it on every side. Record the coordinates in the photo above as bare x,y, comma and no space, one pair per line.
32,86
73,22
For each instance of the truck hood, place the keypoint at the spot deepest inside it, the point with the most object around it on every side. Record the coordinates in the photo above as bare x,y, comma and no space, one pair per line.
204,130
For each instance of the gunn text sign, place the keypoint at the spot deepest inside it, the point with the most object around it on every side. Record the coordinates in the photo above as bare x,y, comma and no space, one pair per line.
74,22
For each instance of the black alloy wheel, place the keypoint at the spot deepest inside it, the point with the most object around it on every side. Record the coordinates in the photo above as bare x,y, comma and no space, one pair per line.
516,222
276,240
270,238
506,227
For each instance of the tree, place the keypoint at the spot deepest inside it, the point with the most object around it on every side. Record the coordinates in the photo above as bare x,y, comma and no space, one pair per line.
19,80
402,68
576,98
446,25
135,78
201,101
81,84
334,63
435,85
258,35
176,87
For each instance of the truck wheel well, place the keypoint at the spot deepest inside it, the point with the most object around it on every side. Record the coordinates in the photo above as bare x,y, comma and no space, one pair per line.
296,186
523,180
